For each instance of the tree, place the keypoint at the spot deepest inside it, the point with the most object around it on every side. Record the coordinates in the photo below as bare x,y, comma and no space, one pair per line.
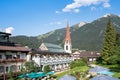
72,64
31,66
78,63
115,59
109,43
46,69
118,39
10,75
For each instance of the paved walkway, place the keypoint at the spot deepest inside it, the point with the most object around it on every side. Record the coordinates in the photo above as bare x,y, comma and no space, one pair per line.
61,72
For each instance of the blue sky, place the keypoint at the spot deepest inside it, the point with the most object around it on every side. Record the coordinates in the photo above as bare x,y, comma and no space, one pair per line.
35,17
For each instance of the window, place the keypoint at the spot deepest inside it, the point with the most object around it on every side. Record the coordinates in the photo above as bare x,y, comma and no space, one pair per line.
94,59
19,67
90,59
7,69
8,56
13,67
66,47
1,69
67,41
0,56
18,56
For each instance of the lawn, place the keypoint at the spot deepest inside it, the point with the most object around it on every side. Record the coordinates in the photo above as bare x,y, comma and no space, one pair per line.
72,71
83,69
62,74
117,75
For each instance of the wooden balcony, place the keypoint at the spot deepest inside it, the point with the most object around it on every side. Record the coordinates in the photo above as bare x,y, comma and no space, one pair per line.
12,60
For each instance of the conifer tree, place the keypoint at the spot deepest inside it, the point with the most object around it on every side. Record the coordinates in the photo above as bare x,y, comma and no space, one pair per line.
109,43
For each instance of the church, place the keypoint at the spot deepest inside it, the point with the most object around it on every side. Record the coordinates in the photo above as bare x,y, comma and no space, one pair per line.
53,55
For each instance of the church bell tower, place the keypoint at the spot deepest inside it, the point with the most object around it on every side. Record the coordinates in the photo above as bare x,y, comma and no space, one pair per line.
67,41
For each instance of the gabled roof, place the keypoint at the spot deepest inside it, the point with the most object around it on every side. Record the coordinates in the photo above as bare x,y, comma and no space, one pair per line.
38,51
53,47
13,48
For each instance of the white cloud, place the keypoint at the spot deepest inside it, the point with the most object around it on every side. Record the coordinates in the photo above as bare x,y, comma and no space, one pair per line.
9,30
106,5
80,3
69,7
55,23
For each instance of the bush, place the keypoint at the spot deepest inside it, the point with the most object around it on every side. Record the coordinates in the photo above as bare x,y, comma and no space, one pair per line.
31,66
10,75
46,69
78,63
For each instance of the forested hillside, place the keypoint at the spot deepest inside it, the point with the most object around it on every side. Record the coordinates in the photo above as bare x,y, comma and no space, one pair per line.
85,37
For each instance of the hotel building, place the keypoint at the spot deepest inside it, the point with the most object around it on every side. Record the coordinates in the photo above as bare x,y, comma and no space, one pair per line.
12,55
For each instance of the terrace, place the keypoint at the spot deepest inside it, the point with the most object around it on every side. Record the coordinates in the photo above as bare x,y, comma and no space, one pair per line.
49,61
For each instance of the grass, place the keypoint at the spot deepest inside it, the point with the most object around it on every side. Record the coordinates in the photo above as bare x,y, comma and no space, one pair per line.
73,71
80,69
114,68
62,74
117,75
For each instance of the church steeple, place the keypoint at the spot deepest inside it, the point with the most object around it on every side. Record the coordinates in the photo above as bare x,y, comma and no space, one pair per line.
67,42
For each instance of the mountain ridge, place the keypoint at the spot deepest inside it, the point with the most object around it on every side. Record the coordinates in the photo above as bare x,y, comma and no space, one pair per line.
86,37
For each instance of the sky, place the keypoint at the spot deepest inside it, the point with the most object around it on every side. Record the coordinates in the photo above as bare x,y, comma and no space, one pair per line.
37,17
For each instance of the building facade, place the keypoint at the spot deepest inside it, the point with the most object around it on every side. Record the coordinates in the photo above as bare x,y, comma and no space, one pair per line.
12,55
52,55
89,55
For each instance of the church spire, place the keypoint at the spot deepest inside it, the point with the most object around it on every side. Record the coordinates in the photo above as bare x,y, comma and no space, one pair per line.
67,42
68,38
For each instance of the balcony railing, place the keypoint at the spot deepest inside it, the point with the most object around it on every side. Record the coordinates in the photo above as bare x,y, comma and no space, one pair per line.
51,61
11,60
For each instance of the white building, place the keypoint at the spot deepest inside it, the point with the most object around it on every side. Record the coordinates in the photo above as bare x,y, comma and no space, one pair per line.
52,55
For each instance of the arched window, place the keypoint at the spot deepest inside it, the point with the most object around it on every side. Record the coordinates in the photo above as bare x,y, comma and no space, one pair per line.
67,41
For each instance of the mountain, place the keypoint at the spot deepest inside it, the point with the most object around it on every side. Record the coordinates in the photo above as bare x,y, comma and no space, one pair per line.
31,42
85,36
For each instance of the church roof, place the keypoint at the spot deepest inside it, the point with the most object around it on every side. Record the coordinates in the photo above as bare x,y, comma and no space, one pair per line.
53,47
